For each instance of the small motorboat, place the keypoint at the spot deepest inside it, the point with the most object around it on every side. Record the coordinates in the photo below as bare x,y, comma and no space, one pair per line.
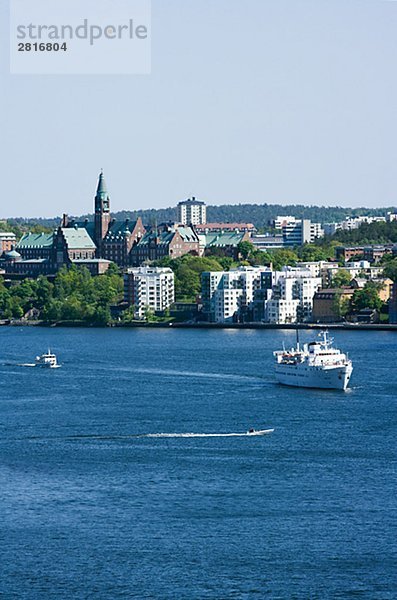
47,361
259,431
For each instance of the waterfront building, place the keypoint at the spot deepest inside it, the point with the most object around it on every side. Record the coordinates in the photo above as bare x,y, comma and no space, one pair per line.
149,288
327,304
288,296
191,212
228,296
259,294
393,305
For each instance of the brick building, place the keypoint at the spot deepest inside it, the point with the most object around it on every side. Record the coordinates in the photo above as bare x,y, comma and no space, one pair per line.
114,240
326,304
167,240
46,253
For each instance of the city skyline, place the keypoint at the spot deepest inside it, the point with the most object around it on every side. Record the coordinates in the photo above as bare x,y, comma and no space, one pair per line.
287,102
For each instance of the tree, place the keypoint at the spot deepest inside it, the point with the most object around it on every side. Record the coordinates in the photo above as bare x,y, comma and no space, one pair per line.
368,297
341,305
341,278
283,257
245,249
128,315
390,270
149,314
311,252
188,270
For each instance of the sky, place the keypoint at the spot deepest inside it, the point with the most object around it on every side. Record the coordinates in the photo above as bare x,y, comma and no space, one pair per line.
284,101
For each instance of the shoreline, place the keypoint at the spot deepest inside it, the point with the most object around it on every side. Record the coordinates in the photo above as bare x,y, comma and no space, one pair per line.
168,325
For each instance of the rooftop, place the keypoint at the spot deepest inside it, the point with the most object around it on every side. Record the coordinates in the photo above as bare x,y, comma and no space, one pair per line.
191,201
36,240
223,239
120,229
78,238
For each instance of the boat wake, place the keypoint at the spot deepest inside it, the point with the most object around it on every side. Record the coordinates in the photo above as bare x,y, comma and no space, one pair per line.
115,438
206,435
34,365
193,374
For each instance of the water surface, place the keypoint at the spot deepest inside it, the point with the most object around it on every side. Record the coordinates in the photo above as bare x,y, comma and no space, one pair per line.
96,504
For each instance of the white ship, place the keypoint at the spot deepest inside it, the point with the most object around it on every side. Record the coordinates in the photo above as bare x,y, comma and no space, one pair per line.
315,365
47,360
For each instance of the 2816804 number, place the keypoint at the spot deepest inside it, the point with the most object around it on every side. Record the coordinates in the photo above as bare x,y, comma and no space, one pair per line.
41,47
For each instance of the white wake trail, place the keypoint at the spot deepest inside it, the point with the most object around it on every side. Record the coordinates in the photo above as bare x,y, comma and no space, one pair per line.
205,435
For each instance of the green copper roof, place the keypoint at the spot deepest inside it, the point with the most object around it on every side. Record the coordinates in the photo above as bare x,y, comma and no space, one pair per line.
223,239
187,234
164,237
77,237
35,240
120,229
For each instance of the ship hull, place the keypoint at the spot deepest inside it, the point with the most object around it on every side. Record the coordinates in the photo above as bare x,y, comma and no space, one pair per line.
333,378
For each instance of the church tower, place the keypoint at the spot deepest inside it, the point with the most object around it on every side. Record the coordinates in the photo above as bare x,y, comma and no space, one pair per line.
102,212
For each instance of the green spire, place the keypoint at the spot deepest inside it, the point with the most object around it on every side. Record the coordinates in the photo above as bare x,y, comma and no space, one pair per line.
102,200
102,189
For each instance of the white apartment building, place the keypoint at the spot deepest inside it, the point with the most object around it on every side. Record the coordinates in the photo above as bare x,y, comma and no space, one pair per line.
149,287
192,212
290,299
297,232
351,223
227,295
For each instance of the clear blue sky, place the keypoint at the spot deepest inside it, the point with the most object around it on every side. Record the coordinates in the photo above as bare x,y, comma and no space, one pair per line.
291,101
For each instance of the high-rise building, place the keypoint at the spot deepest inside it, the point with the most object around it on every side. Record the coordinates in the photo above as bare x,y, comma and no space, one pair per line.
228,296
149,288
192,212
290,297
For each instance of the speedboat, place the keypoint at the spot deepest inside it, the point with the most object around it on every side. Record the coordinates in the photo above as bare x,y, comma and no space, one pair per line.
259,431
47,361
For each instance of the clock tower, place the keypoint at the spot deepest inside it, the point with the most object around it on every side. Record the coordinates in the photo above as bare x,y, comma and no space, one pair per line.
102,212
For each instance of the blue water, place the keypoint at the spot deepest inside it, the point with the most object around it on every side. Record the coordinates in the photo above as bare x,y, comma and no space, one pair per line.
91,508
